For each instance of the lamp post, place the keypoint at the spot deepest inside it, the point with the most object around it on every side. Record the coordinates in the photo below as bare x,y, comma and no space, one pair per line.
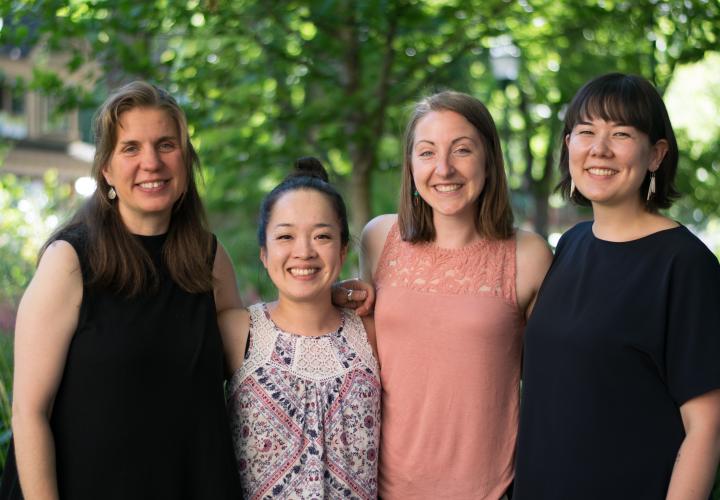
505,65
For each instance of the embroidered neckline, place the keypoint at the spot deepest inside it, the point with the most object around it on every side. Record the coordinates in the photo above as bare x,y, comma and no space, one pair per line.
279,330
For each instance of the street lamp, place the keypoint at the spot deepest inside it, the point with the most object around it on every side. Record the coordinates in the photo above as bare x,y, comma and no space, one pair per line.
505,65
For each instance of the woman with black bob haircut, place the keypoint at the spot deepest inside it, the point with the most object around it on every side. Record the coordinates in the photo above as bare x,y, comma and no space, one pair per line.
118,389
621,394
304,388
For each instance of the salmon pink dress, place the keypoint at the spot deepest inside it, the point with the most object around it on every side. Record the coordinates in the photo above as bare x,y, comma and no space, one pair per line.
449,336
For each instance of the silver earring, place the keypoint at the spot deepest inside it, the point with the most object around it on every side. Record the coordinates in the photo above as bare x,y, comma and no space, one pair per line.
111,193
651,187
572,188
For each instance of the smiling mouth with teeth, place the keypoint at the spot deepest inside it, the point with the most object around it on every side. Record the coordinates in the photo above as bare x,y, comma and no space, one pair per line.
602,171
447,188
303,272
152,185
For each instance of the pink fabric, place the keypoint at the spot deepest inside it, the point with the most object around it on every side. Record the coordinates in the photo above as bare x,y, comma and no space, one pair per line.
449,336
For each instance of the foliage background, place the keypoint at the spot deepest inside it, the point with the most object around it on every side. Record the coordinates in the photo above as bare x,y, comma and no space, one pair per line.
264,82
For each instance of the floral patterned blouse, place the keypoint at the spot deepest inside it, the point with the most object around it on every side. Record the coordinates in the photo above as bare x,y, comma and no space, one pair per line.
305,412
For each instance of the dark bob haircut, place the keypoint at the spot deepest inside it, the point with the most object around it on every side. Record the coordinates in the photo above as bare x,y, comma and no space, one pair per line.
308,174
628,100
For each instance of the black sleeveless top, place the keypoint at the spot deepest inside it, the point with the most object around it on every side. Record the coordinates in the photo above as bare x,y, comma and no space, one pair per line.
140,410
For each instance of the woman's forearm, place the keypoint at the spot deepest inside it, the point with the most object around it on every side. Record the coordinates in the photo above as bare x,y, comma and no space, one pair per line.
695,468
35,455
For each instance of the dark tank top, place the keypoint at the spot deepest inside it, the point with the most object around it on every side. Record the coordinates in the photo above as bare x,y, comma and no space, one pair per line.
140,413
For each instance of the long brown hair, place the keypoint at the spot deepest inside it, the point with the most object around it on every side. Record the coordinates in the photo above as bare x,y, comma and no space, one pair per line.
116,259
494,215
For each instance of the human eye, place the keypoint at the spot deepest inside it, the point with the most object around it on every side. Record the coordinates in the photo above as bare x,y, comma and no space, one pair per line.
129,148
167,146
463,150
324,236
624,132
283,236
425,154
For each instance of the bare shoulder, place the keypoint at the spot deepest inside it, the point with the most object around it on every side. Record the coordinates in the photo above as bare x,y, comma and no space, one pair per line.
372,242
378,228
60,255
533,261
225,288
532,246
58,273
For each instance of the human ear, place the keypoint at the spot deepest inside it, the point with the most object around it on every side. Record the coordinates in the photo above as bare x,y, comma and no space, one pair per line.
263,256
658,152
343,254
107,174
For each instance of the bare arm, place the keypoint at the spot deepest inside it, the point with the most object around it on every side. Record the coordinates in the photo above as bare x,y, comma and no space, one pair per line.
226,290
234,329
46,321
233,320
697,460
533,261
350,293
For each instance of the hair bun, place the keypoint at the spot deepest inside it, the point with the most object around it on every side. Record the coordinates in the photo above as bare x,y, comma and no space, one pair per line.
309,166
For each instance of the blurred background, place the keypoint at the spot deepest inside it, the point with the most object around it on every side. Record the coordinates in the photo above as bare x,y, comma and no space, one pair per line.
264,82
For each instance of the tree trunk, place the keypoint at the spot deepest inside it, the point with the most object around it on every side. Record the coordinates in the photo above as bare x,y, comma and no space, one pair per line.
360,192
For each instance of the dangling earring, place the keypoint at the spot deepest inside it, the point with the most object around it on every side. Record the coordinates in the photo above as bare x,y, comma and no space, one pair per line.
651,187
416,198
111,193
572,188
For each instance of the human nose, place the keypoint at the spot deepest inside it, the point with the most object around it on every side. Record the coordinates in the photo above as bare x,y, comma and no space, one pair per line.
600,146
444,166
303,248
150,159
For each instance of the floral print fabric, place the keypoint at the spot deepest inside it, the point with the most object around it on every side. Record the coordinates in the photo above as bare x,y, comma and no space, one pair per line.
305,412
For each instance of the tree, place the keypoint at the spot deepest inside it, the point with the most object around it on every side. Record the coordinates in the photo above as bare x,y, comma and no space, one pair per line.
266,82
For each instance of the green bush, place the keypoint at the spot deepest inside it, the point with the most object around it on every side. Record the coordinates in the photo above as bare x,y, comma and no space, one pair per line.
6,374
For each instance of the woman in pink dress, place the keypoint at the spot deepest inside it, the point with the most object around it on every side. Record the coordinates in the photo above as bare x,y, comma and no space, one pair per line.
455,281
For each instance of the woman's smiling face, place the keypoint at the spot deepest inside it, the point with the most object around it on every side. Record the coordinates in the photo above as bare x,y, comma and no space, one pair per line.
303,253
609,160
448,164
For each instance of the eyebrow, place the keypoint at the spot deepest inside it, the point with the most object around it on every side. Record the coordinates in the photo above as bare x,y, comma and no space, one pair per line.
287,224
161,139
453,141
612,122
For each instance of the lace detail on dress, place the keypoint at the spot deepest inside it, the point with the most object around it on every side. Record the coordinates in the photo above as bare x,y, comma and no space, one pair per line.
485,267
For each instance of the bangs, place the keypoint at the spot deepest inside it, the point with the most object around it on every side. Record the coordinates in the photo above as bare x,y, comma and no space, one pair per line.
619,101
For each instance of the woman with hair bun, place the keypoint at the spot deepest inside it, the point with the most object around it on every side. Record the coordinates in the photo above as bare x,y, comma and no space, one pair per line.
304,392
118,386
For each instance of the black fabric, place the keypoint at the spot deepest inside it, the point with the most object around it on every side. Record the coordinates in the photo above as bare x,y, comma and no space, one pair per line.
10,484
140,410
621,335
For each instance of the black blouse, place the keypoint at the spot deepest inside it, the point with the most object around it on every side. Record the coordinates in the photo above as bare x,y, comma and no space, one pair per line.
621,336
140,409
